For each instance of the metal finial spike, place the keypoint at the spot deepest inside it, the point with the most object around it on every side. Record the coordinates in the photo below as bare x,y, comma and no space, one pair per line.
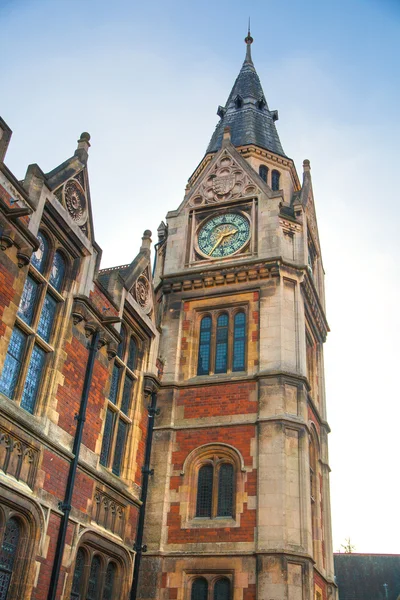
249,41
248,29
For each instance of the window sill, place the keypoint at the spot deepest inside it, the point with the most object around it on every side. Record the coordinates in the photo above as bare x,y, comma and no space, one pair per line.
205,523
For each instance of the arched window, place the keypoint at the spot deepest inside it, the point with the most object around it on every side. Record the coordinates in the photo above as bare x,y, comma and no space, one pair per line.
39,258
204,491
239,342
203,365
8,553
225,490
221,347
313,489
199,589
94,579
222,589
215,490
263,172
275,177
238,101
34,326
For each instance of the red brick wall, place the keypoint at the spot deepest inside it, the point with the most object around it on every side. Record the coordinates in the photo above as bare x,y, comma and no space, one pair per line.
320,582
218,400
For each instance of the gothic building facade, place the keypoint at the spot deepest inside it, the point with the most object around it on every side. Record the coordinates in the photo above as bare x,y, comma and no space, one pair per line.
239,503
164,435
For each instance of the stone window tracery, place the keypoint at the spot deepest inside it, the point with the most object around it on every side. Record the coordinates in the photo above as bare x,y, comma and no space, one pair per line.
119,409
222,342
32,338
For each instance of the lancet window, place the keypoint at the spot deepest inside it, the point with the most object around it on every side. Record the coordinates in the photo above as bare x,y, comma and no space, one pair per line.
222,342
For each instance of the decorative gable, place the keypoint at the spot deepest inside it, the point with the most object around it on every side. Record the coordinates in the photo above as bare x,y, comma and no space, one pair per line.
73,195
225,180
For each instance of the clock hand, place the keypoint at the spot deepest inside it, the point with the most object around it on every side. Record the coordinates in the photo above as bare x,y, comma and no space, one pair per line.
219,240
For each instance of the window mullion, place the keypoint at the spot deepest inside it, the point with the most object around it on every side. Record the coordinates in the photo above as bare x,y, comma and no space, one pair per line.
214,505
26,359
230,341
213,343
113,435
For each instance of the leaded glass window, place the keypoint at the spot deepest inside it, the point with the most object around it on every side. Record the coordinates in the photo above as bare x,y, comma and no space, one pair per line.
132,354
32,381
119,404
222,589
34,326
225,490
199,589
275,178
12,363
77,581
94,579
47,317
119,447
239,342
107,437
27,304
204,491
203,367
221,349
8,553
263,172
39,258
114,383
57,271
109,582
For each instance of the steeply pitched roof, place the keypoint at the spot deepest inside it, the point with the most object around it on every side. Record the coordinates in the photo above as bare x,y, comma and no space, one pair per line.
365,576
246,112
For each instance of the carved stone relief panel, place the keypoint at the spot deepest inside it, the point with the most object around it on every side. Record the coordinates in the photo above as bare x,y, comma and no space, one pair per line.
72,196
226,181
18,458
108,512
142,292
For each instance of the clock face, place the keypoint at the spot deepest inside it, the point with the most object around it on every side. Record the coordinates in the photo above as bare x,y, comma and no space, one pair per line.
224,235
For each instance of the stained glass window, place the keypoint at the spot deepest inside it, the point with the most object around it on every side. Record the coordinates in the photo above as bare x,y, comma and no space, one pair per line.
47,317
78,575
8,553
263,172
275,177
57,271
114,383
32,381
225,490
126,394
203,366
121,345
107,437
119,447
199,589
94,579
27,304
204,491
222,589
39,257
221,349
109,581
132,354
239,342
12,363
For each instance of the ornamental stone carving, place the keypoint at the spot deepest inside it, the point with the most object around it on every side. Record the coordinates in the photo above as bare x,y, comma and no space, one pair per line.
226,181
142,292
75,202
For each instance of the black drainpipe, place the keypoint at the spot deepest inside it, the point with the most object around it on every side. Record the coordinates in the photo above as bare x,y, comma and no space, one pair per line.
138,546
66,505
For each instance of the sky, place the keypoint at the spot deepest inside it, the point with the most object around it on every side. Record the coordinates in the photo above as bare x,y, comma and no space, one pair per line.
145,80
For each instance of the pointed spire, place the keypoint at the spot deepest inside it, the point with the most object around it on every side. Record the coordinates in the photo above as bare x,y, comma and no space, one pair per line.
248,40
246,111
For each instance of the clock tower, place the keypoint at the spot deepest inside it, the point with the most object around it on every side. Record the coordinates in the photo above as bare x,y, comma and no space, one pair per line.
238,504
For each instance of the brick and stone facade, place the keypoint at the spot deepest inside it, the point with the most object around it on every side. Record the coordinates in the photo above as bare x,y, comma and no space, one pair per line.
36,438
267,419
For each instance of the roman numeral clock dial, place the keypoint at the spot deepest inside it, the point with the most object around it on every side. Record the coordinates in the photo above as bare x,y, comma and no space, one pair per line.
223,235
